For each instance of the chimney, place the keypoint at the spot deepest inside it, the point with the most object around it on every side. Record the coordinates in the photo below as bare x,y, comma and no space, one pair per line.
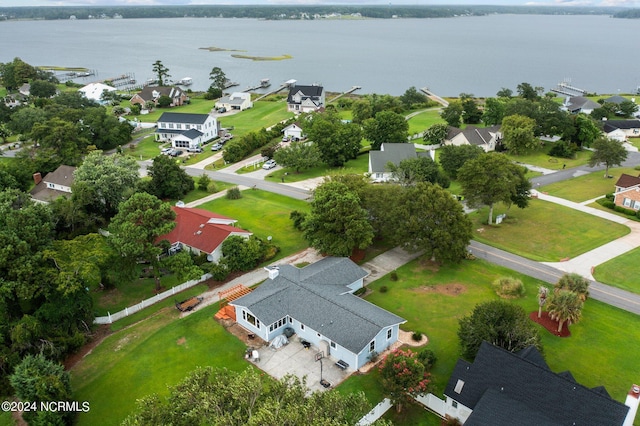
37,177
633,398
273,272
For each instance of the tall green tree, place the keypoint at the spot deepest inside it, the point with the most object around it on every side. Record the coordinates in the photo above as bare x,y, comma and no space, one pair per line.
403,377
104,181
500,323
452,157
608,152
574,282
168,179
471,113
489,179
136,227
518,134
337,223
60,142
218,78
420,169
429,219
39,380
42,89
436,133
242,254
386,127
565,306
412,97
161,72
527,91
494,109
452,113
337,142
586,130
219,396
298,156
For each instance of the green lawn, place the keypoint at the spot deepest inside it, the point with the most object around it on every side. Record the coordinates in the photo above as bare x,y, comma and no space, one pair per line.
198,105
622,271
148,357
545,231
148,149
540,158
587,187
424,120
597,353
359,165
263,114
265,214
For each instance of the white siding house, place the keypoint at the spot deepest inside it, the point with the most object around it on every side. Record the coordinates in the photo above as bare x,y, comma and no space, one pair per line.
305,98
188,131
237,100
317,303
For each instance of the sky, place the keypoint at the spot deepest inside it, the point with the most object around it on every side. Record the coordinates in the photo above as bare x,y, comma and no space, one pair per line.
568,3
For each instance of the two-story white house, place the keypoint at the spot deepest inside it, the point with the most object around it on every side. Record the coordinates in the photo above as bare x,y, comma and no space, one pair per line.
305,98
317,303
187,131
237,100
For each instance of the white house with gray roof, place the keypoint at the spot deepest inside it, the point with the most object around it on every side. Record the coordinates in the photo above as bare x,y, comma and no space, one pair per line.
237,100
187,131
390,153
317,303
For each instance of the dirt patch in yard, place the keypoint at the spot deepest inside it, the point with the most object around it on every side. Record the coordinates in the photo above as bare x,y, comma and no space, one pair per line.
427,265
96,338
452,289
181,341
242,334
550,324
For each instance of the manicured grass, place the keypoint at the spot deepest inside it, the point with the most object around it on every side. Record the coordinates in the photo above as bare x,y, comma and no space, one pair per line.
587,187
265,214
600,351
148,149
197,194
635,142
541,158
263,114
420,122
544,231
359,165
621,271
148,357
198,105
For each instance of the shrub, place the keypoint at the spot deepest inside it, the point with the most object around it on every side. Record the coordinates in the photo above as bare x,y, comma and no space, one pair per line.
298,219
373,356
203,182
606,203
610,196
508,287
393,276
218,271
428,358
562,149
416,336
626,211
212,188
234,193
384,289
360,291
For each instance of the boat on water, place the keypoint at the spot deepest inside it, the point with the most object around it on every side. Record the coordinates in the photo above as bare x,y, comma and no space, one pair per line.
187,81
265,82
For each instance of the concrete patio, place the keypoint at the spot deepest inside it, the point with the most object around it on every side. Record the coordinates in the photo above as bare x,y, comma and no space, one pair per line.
294,359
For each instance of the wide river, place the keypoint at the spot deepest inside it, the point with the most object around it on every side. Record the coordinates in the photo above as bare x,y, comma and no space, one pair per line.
477,55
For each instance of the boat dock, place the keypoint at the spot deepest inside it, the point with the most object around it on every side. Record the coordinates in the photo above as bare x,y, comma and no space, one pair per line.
434,97
284,85
122,80
353,89
565,88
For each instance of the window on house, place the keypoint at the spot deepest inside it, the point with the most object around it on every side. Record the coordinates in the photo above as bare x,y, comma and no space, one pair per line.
454,404
389,333
171,125
318,334
333,345
636,205
372,346
301,326
178,126
251,319
627,202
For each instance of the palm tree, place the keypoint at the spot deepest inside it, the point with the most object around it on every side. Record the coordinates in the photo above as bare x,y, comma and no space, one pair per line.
565,306
542,299
575,283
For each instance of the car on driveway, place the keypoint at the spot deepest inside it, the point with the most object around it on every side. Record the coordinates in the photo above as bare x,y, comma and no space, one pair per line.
269,164
166,151
216,146
175,153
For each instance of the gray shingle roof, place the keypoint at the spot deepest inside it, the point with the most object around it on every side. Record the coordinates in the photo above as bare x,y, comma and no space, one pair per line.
391,153
539,392
616,99
317,296
192,133
178,117
623,124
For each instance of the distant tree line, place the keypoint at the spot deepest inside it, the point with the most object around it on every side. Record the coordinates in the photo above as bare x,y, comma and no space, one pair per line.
289,11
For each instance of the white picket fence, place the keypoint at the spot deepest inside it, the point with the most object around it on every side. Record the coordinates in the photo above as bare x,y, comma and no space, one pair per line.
430,401
110,318
377,412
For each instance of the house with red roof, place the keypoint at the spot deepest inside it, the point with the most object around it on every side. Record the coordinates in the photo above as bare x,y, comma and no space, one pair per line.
201,231
627,193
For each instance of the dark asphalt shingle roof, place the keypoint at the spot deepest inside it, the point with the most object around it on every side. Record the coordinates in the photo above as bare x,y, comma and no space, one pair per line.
627,181
623,124
179,117
536,389
391,153
317,296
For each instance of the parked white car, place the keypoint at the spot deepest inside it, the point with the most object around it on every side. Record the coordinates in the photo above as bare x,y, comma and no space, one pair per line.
269,164
216,146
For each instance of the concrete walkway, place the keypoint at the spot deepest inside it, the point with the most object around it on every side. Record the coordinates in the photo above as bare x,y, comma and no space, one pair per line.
585,263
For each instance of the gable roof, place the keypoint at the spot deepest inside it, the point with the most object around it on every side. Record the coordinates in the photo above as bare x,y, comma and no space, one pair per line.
150,93
317,296
576,103
390,153
62,176
623,124
94,90
179,117
627,181
616,99
200,229
499,381
480,135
